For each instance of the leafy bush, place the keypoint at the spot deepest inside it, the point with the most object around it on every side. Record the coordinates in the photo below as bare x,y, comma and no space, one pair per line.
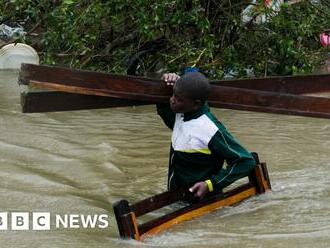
148,36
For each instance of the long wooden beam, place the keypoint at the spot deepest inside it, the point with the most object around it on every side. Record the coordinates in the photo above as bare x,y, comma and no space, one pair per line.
48,101
135,89
61,101
270,102
93,83
221,96
299,84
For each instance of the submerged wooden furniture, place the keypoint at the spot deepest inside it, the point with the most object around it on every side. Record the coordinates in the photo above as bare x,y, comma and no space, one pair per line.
126,214
86,89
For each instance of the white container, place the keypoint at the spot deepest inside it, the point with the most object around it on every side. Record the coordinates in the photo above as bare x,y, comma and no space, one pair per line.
13,55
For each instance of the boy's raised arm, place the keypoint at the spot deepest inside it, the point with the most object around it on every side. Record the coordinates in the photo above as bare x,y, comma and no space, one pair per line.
164,109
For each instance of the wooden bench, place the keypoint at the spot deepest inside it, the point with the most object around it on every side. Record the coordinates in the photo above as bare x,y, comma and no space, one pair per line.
126,214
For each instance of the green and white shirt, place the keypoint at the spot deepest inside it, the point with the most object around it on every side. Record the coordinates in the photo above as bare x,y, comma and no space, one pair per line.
199,146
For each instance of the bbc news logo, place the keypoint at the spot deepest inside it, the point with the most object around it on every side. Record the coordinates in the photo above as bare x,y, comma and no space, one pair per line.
39,221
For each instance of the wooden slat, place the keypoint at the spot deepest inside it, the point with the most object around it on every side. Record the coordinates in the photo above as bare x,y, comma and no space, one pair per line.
299,84
221,96
158,201
262,101
38,102
94,83
239,97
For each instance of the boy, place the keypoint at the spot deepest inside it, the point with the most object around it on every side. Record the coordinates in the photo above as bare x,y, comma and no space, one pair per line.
200,143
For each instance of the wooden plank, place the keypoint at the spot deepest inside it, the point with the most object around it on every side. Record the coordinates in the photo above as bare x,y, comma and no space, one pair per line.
38,102
45,101
270,102
221,96
299,84
94,83
158,201
261,102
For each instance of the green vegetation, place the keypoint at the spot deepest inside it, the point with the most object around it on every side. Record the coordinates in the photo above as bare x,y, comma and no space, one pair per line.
169,35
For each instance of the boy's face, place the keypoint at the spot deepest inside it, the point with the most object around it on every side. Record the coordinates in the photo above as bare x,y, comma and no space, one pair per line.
181,103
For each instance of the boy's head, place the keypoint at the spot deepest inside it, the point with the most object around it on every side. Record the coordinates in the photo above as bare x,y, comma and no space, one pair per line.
190,92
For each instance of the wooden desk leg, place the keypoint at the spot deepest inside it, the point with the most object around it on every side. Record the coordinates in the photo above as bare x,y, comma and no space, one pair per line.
259,177
121,208
130,226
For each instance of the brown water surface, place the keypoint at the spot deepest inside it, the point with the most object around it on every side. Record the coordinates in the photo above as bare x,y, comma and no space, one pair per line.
81,162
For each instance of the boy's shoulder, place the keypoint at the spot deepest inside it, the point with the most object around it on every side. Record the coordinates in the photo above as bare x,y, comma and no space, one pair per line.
204,127
215,120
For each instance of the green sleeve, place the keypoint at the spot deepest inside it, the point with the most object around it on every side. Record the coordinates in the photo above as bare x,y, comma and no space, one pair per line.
240,162
165,112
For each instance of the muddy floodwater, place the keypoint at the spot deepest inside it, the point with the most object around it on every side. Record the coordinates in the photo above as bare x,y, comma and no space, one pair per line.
81,162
